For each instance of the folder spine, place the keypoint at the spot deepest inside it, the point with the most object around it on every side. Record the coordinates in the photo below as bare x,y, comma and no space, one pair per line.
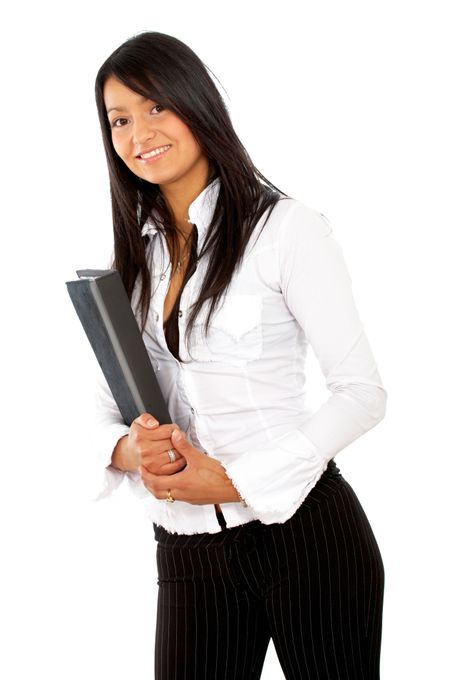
117,347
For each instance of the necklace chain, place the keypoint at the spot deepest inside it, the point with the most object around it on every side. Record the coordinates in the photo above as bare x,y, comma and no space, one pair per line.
181,260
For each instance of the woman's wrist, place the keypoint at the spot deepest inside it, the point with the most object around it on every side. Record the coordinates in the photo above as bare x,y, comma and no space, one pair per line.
121,458
237,496
241,500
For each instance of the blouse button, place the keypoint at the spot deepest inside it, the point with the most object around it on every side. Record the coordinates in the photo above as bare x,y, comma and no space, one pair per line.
162,277
157,316
180,313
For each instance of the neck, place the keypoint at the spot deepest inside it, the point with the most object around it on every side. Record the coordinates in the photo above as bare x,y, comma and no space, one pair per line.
180,194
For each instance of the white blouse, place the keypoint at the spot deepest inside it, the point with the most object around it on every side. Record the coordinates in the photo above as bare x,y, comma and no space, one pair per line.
240,393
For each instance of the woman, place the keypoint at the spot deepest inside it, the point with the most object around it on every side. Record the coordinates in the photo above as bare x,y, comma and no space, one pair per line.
258,534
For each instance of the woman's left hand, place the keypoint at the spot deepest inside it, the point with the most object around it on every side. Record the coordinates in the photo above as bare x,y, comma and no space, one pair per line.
201,482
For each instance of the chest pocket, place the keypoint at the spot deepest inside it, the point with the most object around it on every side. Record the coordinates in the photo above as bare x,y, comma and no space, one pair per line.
235,331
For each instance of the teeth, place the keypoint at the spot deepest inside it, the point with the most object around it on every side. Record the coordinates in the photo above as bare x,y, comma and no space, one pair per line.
155,152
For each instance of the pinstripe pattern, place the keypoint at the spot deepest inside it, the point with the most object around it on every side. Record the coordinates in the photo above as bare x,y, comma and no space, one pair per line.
314,585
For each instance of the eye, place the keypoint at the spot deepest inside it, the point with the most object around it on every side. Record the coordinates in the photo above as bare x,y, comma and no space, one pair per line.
121,122
118,122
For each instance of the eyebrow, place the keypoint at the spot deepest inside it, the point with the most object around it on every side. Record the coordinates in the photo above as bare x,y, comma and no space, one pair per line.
118,108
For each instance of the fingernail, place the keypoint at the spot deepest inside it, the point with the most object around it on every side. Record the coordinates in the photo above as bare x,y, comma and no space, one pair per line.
177,436
151,422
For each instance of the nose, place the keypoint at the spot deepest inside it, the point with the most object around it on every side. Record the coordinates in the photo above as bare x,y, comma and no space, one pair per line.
142,131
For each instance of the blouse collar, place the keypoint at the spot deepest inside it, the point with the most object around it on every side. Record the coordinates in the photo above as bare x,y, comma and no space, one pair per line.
200,210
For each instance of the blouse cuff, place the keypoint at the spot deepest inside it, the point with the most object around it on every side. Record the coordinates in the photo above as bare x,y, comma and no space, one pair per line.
105,478
275,479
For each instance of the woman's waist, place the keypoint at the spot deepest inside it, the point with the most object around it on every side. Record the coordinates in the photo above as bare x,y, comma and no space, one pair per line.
233,434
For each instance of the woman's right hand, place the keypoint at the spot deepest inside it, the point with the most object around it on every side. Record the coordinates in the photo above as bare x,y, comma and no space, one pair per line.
147,444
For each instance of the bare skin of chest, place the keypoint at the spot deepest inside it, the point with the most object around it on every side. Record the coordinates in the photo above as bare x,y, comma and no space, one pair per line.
176,279
174,288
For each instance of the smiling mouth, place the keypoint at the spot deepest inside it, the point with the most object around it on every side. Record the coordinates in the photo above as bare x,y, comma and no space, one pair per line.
155,152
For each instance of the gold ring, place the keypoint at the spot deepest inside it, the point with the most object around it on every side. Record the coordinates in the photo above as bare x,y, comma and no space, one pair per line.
169,498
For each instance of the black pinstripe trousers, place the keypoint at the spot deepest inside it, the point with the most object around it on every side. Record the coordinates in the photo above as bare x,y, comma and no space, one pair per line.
313,584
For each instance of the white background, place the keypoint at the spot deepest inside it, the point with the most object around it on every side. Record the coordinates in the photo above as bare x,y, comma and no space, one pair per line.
342,105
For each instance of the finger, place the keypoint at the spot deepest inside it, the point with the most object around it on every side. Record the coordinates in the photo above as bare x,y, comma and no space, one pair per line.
156,487
172,468
167,468
146,420
157,452
159,432
165,431
169,455
150,422
158,484
162,465
181,444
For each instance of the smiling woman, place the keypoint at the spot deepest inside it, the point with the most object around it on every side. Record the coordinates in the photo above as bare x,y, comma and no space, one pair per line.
258,534
156,146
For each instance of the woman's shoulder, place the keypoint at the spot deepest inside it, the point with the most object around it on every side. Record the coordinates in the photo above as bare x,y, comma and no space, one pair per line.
292,218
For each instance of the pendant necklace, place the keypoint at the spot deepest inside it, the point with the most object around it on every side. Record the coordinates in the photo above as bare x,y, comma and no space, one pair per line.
181,260
178,267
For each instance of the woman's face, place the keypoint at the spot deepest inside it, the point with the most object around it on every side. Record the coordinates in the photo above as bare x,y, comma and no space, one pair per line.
140,125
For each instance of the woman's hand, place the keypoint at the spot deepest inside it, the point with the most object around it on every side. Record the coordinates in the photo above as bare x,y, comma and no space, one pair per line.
202,481
147,444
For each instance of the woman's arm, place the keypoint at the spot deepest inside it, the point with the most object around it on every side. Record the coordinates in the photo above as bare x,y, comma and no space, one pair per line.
317,289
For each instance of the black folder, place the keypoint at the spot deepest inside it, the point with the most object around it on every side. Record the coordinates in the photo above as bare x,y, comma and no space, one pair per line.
103,307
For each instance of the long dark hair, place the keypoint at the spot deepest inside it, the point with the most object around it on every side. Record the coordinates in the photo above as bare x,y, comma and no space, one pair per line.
164,69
